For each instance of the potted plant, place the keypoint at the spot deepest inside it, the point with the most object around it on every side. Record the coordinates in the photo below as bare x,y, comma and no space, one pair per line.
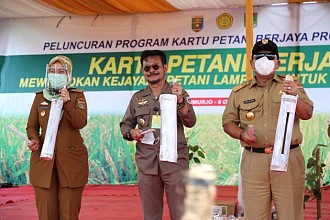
314,177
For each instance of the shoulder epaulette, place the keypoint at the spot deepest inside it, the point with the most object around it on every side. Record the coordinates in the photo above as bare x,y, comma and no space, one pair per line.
242,85
140,90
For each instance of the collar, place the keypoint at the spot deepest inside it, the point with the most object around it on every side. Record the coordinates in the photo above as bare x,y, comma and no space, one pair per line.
277,78
254,81
166,90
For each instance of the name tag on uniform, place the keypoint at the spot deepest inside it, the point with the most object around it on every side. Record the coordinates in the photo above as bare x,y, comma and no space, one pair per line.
156,122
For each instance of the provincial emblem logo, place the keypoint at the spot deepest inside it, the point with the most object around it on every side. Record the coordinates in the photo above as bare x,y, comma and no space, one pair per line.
255,20
224,21
197,23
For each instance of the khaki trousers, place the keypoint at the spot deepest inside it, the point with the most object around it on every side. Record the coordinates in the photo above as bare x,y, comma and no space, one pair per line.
58,203
151,189
260,186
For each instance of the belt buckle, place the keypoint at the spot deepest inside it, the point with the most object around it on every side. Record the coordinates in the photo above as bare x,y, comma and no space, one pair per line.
269,150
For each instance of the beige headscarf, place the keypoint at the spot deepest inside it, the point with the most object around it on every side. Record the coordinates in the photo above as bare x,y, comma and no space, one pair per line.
65,61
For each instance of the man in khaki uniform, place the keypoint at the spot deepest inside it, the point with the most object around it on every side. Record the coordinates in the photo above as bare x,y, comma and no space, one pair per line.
257,102
155,176
58,183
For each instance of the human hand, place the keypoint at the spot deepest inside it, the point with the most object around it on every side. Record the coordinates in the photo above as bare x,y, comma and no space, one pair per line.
247,138
64,93
34,145
290,87
137,134
250,130
177,90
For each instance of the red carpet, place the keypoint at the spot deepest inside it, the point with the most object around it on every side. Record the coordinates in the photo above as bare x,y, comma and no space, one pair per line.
120,202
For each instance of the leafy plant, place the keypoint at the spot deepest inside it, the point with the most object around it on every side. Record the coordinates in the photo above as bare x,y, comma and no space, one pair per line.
314,177
195,153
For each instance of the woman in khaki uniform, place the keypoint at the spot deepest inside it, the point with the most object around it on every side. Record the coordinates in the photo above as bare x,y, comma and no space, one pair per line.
59,182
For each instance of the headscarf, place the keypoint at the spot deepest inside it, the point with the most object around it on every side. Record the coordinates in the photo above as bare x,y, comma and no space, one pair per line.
66,62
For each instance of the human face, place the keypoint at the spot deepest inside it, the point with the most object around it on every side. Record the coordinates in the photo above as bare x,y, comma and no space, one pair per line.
154,70
265,63
57,68
57,77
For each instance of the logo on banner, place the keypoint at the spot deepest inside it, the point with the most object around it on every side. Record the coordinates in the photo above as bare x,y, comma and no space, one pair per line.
197,23
224,21
255,19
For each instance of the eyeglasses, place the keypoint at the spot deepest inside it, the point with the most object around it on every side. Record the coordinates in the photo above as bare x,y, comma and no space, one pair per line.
268,55
154,66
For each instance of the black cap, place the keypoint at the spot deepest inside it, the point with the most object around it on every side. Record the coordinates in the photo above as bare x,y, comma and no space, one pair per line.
267,45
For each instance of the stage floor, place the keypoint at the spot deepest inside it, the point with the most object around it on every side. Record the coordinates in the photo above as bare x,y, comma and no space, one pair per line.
117,202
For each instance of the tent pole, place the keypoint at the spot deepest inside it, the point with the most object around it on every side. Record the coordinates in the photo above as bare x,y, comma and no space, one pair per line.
249,36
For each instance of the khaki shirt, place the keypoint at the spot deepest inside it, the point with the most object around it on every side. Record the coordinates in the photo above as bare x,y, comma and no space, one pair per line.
265,103
143,105
70,154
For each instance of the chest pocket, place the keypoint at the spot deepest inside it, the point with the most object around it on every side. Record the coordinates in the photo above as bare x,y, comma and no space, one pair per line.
276,104
142,116
253,108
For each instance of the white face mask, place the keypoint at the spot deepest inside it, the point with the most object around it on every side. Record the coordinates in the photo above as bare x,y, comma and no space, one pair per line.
149,138
57,81
264,66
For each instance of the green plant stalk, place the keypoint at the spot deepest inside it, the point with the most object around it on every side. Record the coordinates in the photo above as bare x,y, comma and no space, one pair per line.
314,176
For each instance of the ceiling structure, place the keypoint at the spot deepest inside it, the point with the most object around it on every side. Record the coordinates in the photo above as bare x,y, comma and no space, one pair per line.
55,8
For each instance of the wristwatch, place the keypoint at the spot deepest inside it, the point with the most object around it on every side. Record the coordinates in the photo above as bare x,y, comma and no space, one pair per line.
181,104
128,134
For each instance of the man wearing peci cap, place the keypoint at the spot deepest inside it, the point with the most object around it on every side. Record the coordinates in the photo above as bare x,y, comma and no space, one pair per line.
58,182
257,103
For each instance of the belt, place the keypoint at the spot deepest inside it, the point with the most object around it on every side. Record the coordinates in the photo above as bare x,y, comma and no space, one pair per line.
266,150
